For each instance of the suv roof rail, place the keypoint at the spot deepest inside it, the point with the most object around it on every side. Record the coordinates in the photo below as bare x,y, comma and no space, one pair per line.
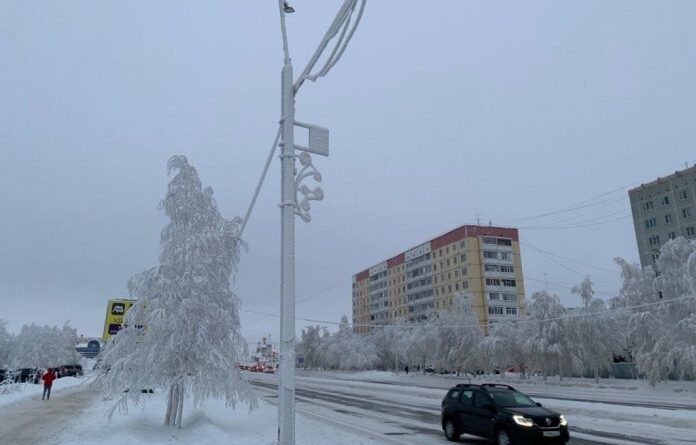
498,385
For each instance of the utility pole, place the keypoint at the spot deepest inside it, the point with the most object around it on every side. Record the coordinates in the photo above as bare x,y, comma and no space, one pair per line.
286,384
296,196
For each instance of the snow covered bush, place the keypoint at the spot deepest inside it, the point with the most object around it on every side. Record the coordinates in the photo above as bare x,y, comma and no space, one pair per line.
183,334
347,349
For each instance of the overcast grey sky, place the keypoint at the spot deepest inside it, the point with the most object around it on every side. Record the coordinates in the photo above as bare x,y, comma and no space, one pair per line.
439,111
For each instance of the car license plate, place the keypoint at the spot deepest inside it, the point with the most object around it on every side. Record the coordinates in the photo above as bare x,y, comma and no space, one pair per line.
552,433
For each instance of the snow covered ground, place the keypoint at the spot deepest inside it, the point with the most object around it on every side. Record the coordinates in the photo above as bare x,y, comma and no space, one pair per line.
77,415
366,408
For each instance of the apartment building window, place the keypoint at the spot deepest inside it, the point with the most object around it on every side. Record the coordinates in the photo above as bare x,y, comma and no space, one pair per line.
492,281
665,200
489,241
491,268
462,244
686,212
494,296
672,235
508,283
449,288
495,310
447,249
456,286
507,269
650,223
490,254
505,256
683,195
464,271
511,311
647,206
455,260
509,297
654,257
504,242
654,240
669,219
456,272
448,263
462,258
691,231
465,284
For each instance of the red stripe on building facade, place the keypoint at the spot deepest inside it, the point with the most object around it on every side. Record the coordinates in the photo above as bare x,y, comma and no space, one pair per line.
397,260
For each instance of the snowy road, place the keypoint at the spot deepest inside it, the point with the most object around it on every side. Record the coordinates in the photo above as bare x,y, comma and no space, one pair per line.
32,421
396,419
409,414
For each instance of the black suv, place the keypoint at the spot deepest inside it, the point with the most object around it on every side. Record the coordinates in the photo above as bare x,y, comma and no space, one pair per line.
502,414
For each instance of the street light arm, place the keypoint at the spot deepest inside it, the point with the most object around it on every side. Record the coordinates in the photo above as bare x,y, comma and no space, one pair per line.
284,32
341,21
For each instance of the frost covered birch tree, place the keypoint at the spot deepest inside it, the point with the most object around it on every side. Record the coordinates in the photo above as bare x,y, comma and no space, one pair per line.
549,345
661,333
459,337
595,332
183,334
6,342
45,346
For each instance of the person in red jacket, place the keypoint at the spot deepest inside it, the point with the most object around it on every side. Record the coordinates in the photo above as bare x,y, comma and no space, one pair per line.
48,378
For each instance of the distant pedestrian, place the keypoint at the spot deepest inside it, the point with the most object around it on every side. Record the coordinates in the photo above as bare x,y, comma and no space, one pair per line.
406,369
48,378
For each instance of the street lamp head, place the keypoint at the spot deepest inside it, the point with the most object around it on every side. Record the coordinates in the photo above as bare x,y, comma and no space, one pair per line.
287,8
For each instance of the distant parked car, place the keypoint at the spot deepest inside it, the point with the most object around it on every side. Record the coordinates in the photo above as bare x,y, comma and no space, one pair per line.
24,375
268,369
5,374
502,414
70,370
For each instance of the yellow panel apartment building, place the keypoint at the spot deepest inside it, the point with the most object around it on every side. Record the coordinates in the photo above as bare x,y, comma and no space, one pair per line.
482,261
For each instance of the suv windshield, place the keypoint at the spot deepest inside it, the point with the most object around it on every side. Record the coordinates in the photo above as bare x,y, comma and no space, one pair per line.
511,399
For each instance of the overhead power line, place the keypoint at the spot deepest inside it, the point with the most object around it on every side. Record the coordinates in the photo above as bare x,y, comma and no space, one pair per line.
515,323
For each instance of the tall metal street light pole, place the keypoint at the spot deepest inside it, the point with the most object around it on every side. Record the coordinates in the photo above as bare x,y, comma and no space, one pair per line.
295,196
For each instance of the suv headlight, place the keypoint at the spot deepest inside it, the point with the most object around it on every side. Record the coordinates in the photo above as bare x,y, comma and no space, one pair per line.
562,420
523,421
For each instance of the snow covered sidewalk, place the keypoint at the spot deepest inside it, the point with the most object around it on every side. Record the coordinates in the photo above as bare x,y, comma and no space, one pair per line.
28,420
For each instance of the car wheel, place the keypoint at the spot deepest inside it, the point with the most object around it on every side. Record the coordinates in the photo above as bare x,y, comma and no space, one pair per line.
451,432
502,438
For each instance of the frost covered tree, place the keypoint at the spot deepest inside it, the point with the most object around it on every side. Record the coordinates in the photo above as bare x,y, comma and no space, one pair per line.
662,332
45,346
504,346
347,349
550,345
458,337
595,332
310,345
6,345
183,334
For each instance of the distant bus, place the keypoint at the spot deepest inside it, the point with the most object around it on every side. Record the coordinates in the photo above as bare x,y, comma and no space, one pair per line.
115,315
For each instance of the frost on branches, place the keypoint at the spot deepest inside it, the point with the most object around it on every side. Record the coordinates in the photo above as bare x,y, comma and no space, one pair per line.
44,347
661,334
183,333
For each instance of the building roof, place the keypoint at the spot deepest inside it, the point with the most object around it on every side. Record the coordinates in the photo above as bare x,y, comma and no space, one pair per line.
661,180
450,237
